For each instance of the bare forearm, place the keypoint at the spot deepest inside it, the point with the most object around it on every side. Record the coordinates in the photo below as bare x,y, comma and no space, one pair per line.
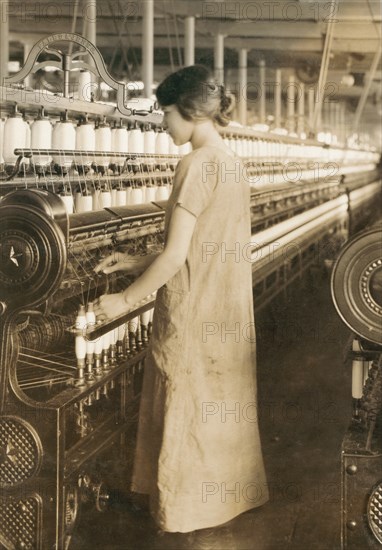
156,275
145,262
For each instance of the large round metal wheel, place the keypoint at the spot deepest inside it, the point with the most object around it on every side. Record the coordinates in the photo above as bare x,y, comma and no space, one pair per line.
33,255
357,284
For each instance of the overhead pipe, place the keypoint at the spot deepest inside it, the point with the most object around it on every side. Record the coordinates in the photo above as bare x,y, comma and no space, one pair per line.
242,92
277,98
291,101
311,96
148,47
4,42
189,41
262,108
219,58
301,110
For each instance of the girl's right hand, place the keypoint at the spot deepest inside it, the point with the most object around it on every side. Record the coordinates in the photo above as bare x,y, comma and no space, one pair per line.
118,261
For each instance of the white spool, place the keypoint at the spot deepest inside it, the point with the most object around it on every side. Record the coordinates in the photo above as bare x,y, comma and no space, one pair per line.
136,195
133,325
14,137
113,197
162,143
85,141
121,197
161,193
105,199
84,203
120,144
102,143
97,199
145,318
136,140
41,138
68,202
106,341
121,332
64,138
149,140
150,193
80,325
90,322
357,377
25,161
98,345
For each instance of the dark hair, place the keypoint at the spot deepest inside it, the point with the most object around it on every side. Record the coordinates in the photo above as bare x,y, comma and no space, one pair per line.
196,95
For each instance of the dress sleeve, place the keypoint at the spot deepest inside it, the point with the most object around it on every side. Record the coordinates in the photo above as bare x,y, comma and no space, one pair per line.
197,178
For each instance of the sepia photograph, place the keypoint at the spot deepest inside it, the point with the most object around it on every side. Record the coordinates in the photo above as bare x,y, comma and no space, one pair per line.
190,275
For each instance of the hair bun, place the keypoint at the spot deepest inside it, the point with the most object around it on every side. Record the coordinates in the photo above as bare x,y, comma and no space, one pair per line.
227,105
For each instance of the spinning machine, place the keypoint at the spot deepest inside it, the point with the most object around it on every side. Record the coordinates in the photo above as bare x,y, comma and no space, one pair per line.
81,179
357,295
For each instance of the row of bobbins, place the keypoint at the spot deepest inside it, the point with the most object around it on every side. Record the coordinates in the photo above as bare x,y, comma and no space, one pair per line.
16,132
97,357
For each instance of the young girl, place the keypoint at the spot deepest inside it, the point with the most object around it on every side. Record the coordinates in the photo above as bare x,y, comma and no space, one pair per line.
198,452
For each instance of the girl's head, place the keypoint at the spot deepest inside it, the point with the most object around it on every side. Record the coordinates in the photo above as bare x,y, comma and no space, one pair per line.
196,96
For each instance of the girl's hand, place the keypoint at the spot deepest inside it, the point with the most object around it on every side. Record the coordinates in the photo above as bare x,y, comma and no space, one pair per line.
118,261
110,306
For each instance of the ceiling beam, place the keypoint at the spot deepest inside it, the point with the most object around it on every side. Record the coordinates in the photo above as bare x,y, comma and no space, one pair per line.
238,29
292,44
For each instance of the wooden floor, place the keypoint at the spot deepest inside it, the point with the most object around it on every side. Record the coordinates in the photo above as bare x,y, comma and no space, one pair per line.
305,406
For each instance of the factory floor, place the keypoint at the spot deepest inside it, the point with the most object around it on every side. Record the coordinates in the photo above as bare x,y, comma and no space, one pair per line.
305,406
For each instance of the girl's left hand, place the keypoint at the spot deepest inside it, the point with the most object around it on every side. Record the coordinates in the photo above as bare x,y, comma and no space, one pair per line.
110,306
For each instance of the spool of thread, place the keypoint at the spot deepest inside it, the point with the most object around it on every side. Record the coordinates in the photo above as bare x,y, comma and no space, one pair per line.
26,161
162,143
150,193
119,143
136,139
80,343
357,377
14,137
106,198
85,141
149,138
90,344
63,138
41,138
97,199
102,143
68,201
161,193
121,197
114,197
133,325
136,195
145,318
83,203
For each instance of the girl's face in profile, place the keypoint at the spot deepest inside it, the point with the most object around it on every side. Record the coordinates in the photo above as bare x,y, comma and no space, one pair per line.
179,128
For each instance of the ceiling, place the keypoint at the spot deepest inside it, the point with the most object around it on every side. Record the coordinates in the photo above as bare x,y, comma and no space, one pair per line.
285,34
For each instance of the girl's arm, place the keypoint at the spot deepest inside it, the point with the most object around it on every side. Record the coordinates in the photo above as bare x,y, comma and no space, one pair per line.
119,261
163,268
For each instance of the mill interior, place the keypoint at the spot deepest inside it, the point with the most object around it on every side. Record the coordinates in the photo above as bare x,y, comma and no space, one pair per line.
87,168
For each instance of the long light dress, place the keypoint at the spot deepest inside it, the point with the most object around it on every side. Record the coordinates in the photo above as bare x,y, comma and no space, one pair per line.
198,451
